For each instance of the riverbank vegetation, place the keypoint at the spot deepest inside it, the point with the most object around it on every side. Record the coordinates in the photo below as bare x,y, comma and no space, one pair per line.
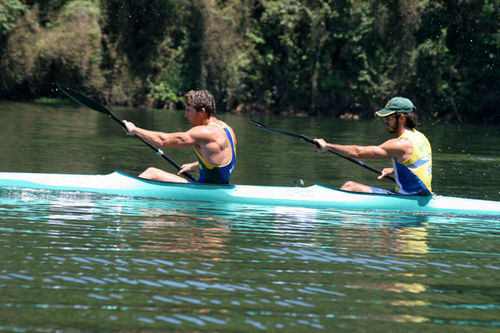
320,57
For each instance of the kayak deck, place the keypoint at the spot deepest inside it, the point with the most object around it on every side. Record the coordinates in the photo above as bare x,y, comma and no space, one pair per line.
315,196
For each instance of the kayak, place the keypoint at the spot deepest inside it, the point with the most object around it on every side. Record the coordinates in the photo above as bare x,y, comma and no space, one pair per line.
315,196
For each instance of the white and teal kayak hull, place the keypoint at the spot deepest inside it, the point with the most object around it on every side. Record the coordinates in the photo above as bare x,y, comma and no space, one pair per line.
316,196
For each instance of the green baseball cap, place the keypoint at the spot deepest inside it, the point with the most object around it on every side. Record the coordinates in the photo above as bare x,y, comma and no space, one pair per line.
396,104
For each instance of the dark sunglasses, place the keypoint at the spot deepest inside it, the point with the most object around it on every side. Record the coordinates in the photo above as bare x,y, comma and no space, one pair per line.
391,116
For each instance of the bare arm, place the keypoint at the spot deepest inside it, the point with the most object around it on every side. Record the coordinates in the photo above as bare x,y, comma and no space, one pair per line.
392,148
385,172
160,139
188,167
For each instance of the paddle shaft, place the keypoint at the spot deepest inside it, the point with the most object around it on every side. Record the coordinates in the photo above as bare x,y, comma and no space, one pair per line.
310,140
90,103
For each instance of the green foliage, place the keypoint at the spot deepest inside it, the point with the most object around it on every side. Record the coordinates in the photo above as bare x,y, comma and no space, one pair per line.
168,88
10,10
293,56
67,49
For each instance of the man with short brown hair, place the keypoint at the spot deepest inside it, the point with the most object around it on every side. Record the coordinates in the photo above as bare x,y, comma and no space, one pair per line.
214,142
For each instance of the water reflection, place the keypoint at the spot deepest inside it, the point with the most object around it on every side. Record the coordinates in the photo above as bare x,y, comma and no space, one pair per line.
142,264
205,227
179,232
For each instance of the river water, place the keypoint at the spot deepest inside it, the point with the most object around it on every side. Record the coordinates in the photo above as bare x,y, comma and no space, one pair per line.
88,262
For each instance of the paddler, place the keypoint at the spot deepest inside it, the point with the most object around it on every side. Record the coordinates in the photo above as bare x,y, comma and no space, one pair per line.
410,152
214,142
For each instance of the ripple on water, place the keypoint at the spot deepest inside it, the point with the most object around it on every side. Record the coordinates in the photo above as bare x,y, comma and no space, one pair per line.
75,262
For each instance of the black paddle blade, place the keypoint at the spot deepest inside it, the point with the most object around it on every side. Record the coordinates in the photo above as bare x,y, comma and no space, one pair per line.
88,102
82,99
256,123
274,130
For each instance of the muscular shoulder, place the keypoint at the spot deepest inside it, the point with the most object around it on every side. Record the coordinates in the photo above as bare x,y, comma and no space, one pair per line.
400,143
208,132
398,148
202,133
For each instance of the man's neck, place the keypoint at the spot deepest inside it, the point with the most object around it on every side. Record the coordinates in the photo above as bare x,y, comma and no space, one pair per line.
208,120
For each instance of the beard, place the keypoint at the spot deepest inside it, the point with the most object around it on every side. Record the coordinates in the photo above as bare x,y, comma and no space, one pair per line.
393,129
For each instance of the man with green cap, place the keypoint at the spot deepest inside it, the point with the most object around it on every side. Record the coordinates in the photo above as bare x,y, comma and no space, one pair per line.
410,152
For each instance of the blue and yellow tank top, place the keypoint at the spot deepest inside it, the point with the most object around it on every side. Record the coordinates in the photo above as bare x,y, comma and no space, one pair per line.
414,175
214,174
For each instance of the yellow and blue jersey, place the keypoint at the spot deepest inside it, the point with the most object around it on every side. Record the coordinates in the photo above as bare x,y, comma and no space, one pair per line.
214,174
414,175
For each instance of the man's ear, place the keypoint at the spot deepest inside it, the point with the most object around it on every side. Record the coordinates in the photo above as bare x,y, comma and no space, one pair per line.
203,110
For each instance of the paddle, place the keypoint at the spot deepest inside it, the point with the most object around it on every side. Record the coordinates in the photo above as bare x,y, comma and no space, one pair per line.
310,140
90,103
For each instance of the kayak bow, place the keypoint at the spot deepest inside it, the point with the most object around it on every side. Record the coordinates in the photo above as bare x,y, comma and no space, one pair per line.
315,196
